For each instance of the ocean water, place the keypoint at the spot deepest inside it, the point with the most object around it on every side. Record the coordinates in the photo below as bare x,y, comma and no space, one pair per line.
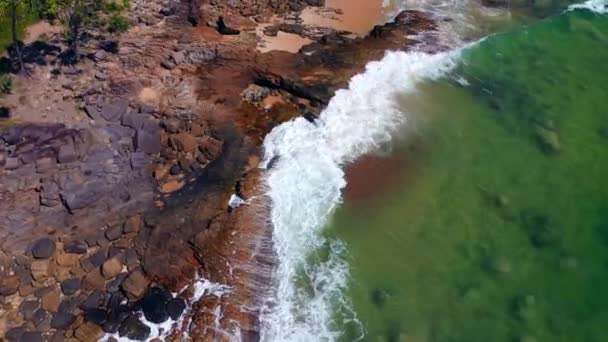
497,226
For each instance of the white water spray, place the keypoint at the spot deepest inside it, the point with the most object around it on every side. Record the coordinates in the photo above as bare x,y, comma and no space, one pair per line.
305,186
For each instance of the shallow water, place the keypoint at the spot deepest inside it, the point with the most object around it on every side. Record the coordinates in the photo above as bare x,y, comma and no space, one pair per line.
499,229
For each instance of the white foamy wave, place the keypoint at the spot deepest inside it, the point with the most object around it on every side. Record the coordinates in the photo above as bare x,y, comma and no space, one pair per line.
598,6
305,185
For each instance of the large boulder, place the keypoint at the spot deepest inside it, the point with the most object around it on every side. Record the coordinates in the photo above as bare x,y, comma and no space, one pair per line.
154,305
133,329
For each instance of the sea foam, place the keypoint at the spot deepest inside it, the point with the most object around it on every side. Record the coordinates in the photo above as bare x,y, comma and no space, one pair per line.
597,6
305,184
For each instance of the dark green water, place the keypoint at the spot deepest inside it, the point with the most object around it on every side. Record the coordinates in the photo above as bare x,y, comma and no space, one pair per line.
500,232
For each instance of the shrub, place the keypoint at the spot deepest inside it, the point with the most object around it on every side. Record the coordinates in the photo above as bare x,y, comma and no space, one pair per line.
118,24
6,84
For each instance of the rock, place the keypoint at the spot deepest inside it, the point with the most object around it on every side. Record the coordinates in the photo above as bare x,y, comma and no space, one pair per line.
97,316
548,139
100,55
523,307
113,233
75,247
27,309
49,193
100,75
172,125
198,130
154,305
114,285
132,328
94,261
50,302
67,154
41,269
42,320
168,64
225,30
95,279
183,142
111,268
62,320
175,308
178,57
133,224
172,186
70,286
44,165
67,259
43,248
500,265
9,285
255,93
93,301
31,336
12,163
135,284
84,195
541,232
14,334
88,332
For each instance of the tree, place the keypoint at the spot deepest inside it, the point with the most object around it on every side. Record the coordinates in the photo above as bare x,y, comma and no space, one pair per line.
13,8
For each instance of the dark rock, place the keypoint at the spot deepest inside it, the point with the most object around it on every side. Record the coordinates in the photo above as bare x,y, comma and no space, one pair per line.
41,319
70,286
9,285
110,46
168,64
96,260
100,75
31,336
379,297
14,334
133,224
62,320
175,308
76,247
113,233
134,329
223,29
93,301
96,315
541,232
175,170
154,305
114,285
43,248
69,305
148,138
27,309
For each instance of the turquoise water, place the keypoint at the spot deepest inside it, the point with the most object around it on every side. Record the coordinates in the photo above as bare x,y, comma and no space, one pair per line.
498,230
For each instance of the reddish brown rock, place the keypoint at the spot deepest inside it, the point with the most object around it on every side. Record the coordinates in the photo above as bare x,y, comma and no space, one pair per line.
95,279
133,224
51,301
183,142
88,332
41,269
135,284
111,268
172,186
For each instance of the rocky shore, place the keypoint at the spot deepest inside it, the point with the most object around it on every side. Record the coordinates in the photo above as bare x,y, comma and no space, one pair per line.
117,174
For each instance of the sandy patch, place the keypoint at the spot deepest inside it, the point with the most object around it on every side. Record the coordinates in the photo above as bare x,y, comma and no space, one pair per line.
149,96
356,16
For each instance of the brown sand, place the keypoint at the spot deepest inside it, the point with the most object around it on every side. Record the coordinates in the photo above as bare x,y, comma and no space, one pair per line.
356,16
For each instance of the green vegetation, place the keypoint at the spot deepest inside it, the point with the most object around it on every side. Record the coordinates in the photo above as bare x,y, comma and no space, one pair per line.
6,84
118,23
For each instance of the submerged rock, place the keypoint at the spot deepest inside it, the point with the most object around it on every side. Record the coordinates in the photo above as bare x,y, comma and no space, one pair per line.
547,138
379,297
540,231
499,265
523,307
